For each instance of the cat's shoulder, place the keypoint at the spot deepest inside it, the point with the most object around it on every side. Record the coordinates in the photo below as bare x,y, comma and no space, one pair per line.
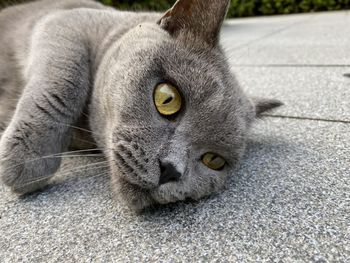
29,14
21,15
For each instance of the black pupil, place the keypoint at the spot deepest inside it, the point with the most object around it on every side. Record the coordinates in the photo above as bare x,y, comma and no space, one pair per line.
168,100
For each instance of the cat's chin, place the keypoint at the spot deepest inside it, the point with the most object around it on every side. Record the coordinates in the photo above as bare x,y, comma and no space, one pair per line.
135,197
169,193
139,199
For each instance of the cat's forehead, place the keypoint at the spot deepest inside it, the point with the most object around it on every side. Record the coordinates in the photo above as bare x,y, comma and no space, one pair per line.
202,70
201,73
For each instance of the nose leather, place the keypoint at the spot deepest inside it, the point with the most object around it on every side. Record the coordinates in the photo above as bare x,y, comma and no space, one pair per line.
168,173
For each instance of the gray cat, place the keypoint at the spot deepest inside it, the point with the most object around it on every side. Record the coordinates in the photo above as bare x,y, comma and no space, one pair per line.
155,91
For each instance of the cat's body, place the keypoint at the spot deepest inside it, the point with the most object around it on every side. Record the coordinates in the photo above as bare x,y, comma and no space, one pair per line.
63,60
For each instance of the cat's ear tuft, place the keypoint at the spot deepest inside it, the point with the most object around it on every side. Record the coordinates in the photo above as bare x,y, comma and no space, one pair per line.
265,105
197,19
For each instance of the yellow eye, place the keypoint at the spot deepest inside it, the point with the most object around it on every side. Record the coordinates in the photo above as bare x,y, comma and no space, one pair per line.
167,99
213,161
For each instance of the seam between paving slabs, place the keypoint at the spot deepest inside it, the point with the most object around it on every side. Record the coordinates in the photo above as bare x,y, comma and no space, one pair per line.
305,118
292,66
273,33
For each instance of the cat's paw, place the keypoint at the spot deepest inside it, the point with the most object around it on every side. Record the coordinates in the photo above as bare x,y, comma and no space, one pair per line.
23,166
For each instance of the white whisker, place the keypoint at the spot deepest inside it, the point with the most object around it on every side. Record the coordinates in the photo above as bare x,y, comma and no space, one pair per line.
64,174
81,140
82,155
56,155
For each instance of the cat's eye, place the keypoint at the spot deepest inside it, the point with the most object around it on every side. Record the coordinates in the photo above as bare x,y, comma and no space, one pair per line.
213,161
167,99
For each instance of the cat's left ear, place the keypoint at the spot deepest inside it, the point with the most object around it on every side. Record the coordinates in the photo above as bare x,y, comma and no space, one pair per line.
198,20
265,105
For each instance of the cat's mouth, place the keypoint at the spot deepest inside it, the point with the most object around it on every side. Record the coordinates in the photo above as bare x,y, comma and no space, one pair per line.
139,198
134,173
142,186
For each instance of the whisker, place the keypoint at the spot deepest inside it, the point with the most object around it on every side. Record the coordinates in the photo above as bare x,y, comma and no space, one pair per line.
86,115
123,126
67,172
78,128
62,174
81,140
85,150
82,155
43,178
56,155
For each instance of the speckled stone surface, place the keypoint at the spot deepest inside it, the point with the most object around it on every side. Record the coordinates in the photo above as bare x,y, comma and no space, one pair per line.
289,201
318,39
315,92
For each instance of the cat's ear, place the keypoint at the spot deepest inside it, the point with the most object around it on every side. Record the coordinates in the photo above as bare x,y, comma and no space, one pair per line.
265,105
197,19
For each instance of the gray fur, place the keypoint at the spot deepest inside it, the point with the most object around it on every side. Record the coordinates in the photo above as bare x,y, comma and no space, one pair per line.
62,58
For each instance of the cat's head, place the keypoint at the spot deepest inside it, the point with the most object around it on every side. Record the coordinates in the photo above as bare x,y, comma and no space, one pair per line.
172,116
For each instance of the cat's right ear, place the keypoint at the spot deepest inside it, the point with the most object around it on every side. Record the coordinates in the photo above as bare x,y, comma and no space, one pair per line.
264,105
196,20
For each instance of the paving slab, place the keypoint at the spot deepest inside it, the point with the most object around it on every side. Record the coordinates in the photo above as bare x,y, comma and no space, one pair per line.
311,92
289,200
241,33
316,39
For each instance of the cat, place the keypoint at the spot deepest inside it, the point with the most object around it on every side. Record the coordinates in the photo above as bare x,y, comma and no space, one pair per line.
155,90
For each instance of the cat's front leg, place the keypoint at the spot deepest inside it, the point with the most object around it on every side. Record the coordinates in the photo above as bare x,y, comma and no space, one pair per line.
55,94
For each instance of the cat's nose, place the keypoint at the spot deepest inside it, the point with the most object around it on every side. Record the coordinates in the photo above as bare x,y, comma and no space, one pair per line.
168,173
